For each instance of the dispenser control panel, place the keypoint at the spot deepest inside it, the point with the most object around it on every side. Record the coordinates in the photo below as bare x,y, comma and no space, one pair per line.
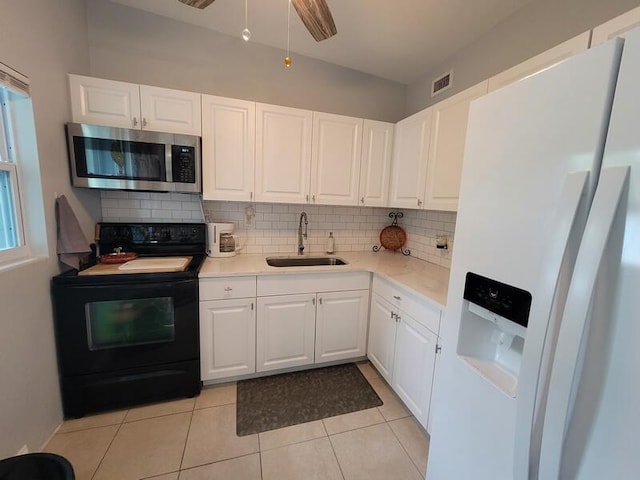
504,300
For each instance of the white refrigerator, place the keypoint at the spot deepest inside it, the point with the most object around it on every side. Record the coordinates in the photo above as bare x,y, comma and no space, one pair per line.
540,369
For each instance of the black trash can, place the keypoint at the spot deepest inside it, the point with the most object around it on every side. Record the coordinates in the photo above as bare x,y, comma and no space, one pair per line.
36,466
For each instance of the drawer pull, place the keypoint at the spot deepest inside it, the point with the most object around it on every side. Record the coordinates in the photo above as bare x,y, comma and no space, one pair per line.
228,289
397,297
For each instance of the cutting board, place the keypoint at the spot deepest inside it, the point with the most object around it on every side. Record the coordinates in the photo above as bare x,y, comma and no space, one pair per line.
157,264
140,265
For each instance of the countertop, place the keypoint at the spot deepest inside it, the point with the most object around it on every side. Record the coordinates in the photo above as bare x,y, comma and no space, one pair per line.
423,278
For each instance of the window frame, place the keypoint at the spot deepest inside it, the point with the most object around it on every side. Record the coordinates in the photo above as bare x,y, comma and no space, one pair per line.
9,162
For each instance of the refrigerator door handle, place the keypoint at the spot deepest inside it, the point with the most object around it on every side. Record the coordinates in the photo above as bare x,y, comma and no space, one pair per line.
608,203
556,269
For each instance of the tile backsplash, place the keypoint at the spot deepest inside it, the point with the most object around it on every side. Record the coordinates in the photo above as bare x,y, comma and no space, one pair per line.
272,228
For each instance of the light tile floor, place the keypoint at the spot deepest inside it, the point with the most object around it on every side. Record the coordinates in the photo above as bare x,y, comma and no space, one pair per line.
194,439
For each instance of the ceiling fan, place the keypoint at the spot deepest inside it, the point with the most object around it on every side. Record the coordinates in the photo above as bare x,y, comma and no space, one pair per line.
315,15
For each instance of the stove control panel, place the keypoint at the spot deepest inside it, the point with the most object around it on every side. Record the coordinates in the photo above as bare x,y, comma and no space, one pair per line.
148,237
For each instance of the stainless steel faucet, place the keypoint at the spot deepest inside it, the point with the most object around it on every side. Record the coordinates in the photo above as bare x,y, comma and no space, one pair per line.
303,216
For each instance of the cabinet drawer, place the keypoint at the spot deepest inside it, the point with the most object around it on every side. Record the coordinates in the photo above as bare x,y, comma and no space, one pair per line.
227,287
312,283
421,310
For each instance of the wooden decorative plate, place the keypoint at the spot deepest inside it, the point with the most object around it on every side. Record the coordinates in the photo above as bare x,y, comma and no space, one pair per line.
393,237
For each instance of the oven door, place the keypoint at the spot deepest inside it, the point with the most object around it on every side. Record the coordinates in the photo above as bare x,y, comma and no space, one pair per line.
116,326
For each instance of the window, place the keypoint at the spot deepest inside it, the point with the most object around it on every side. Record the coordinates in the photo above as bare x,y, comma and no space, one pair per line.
12,239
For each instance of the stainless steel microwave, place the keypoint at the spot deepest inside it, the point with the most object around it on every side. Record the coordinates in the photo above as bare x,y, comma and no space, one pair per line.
125,159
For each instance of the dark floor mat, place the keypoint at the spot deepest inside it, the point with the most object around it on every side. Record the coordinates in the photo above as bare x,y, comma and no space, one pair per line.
278,401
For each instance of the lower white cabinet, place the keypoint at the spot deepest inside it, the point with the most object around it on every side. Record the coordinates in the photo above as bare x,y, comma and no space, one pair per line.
341,325
227,338
285,331
403,345
382,336
414,362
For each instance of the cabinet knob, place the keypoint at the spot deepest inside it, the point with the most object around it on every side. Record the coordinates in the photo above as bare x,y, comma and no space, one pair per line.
313,197
144,121
307,198
394,314
362,200
419,202
320,300
228,289
397,297
398,318
134,121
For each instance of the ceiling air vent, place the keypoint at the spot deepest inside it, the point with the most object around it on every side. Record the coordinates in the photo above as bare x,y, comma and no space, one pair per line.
441,83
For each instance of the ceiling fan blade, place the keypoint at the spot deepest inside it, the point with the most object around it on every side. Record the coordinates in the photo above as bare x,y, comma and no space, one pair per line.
197,3
316,16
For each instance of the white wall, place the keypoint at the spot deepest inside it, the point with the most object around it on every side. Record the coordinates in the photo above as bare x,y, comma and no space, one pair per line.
135,46
43,40
531,30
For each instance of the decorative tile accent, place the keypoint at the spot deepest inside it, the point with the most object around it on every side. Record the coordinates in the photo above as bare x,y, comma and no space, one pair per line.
273,227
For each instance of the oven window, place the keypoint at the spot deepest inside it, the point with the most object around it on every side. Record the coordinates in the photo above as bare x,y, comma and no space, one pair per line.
121,323
120,159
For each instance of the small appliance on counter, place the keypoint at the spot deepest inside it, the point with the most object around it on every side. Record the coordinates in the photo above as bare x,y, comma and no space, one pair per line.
220,240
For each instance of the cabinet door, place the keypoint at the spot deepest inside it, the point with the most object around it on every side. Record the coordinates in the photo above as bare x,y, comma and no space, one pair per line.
174,111
335,159
446,149
285,331
541,62
616,27
283,154
382,336
341,325
104,102
409,164
228,148
415,356
377,142
227,338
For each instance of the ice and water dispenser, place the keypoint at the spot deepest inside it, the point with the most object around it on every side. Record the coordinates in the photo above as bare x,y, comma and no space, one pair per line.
493,329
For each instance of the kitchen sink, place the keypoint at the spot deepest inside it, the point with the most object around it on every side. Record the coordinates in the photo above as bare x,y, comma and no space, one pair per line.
304,261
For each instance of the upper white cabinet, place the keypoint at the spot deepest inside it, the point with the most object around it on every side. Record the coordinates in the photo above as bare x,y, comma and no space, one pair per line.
167,110
377,144
119,104
446,148
616,27
409,164
336,157
228,148
541,62
283,154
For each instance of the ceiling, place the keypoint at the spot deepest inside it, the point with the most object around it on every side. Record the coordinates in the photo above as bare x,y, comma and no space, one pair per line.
398,40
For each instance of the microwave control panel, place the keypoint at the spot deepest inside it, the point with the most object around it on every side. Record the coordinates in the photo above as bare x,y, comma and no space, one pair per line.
183,164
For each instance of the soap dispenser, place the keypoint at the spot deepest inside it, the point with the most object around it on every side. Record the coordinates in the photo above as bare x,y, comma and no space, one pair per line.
331,244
